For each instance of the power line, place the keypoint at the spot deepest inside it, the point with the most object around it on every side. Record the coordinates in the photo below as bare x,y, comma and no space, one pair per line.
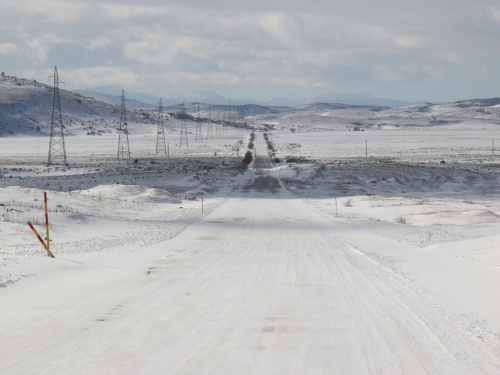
57,148
123,144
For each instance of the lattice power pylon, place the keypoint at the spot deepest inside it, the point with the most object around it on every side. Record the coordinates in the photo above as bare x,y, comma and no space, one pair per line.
218,125
210,130
199,135
57,149
184,133
161,145
123,145
218,130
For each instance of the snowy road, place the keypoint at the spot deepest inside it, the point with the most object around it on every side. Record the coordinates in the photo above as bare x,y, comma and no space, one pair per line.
263,285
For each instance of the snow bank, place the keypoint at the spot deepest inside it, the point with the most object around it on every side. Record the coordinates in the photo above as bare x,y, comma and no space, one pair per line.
131,193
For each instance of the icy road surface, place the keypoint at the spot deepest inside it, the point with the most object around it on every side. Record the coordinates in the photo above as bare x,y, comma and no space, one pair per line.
263,285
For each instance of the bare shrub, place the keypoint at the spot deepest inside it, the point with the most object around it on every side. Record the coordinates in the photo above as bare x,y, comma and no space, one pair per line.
401,218
422,201
348,203
429,236
248,158
291,147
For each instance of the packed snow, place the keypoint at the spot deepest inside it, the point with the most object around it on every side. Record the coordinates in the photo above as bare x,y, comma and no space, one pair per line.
335,251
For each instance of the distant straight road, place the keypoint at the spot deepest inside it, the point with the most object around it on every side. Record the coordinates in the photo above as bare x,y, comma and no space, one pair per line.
262,159
261,286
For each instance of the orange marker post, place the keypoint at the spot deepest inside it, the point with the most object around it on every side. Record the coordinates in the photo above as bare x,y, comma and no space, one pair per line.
46,219
49,253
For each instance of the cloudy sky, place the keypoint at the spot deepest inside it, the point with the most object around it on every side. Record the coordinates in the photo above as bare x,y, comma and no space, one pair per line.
436,50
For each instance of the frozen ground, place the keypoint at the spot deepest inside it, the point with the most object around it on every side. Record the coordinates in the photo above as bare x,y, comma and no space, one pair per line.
99,203
332,262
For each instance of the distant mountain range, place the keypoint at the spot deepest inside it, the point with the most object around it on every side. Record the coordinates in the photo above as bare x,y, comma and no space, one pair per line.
111,94
26,108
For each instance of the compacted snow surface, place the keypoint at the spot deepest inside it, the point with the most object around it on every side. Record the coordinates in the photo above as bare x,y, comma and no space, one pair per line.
331,263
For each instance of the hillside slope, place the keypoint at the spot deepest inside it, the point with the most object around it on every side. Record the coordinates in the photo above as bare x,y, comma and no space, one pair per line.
26,108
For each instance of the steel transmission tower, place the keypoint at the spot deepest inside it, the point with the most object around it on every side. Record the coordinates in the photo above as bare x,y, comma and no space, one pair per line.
199,134
218,130
123,145
161,146
184,134
229,118
57,149
218,126
210,130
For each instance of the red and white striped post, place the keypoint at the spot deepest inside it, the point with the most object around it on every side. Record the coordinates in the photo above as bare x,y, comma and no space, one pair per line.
46,245
46,219
49,253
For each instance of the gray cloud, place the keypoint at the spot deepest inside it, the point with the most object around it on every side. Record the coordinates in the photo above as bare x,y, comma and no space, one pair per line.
264,48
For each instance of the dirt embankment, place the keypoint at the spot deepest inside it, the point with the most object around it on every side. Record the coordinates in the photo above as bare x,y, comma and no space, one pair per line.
251,143
248,158
270,148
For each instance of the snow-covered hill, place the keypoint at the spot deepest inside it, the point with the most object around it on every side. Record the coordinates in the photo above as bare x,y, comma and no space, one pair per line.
110,92
348,99
358,99
26,108
116,99
473,114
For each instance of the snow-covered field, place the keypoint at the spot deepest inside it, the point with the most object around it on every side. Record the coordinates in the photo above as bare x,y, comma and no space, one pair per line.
371,251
